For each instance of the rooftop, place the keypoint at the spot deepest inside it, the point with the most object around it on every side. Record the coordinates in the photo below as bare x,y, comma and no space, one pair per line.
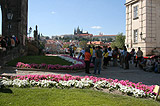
104,35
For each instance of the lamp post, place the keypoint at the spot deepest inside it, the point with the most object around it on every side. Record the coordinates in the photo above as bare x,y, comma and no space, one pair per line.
9,17
141,34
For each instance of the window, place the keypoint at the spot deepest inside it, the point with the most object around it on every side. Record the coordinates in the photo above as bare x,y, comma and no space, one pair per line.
136,36
135,15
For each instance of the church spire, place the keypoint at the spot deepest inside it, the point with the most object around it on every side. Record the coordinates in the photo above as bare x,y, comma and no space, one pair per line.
78,30
75,31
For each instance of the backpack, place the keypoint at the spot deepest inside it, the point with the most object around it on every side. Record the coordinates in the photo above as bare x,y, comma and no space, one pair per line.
129,56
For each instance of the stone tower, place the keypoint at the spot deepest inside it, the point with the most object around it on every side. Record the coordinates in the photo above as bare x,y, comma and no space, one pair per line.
19,9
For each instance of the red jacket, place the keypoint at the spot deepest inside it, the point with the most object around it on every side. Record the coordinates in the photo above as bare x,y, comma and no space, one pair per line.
87,56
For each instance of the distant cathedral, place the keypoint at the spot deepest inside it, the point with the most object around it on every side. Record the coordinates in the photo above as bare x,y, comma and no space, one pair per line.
78,31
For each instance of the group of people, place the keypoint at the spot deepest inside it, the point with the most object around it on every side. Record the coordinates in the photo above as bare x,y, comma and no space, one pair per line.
7,43
101,58
93,55
151,64
72,50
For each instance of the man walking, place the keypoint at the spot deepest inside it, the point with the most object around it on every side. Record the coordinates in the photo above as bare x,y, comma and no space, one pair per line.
139,56
98,61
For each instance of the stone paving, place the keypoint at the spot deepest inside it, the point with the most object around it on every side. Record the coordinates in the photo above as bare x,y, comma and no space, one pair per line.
133,74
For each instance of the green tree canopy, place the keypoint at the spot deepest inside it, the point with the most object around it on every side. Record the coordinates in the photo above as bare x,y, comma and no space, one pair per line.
119,42
83,44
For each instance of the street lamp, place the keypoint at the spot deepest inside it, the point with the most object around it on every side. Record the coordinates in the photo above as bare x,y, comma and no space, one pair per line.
9,17
141,34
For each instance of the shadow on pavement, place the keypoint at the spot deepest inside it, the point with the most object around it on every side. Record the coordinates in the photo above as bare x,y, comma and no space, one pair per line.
7,70
5,90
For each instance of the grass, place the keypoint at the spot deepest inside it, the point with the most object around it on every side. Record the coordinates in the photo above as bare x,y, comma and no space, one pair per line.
68,97
38,60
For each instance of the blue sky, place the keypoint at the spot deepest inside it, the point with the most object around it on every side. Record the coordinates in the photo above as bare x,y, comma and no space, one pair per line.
57,17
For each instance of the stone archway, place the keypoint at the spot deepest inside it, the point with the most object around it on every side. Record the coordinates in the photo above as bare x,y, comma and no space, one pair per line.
19,22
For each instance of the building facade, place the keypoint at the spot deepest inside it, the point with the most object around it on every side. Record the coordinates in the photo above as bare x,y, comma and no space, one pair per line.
143,25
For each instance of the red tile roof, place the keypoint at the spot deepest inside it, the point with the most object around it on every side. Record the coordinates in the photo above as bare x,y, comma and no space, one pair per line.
96,43
50,41
84,35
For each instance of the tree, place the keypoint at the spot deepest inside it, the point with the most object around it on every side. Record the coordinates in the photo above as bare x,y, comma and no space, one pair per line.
119,42
113,45
83,44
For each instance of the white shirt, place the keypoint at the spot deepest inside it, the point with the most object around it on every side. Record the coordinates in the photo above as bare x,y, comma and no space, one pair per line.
83,51
110,53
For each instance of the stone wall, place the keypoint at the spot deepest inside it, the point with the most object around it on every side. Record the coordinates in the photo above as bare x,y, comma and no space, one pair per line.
19,23
11,54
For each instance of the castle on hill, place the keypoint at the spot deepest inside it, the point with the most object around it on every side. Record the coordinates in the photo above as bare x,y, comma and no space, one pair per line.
78,31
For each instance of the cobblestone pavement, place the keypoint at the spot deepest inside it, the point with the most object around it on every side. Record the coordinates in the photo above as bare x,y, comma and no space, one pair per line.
133,74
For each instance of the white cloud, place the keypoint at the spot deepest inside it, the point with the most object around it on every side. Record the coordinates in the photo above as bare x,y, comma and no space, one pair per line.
53,12
96,27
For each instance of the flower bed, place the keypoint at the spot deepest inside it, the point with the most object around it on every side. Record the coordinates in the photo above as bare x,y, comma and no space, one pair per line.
77,64
68,81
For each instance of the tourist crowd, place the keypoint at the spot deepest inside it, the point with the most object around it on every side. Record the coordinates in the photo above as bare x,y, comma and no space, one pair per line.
72,50
7,43
102,57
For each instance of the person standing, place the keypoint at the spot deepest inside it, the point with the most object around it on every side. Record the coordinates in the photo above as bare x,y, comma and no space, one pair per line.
139,56
105,54
74,51
133,55
126,58
109,55
87,58
93,56
114,55
71,51
14,38
91,51
121,57
3,45
98,60
82,52
12,43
